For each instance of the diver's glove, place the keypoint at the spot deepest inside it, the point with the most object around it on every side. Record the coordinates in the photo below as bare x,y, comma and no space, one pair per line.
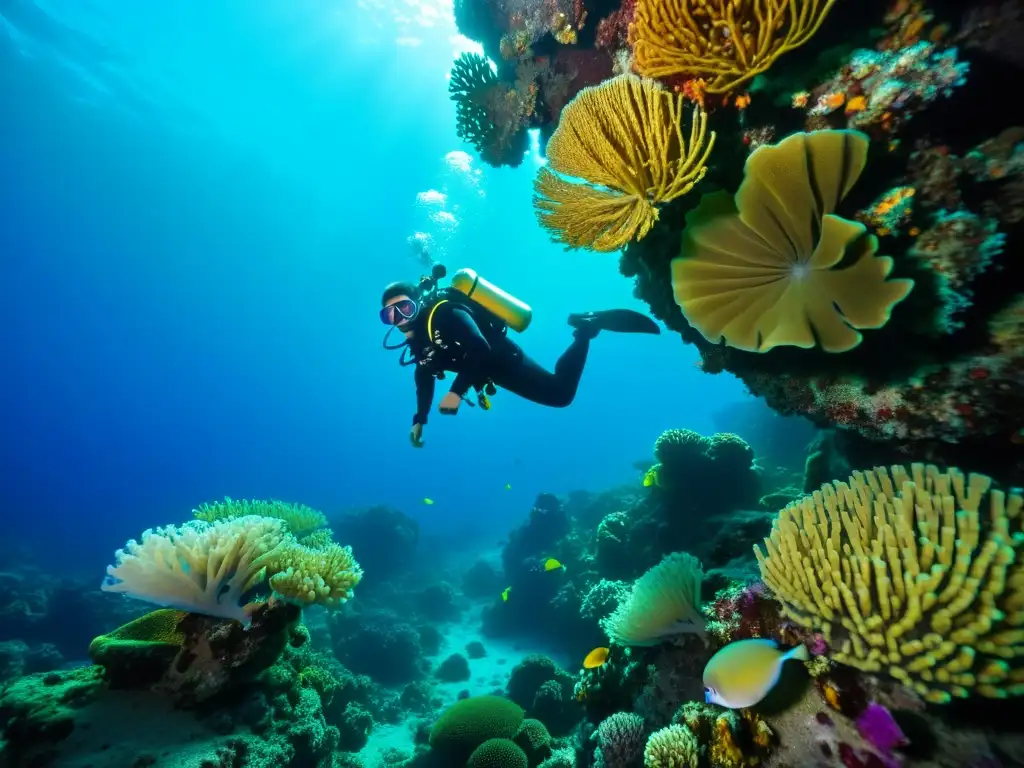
415,435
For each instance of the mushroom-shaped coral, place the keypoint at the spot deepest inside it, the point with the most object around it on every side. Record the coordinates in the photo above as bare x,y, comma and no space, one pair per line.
902,573
665,601
775,266
672,747
624,138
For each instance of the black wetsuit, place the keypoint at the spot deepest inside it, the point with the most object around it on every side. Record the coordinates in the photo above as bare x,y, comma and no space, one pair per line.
477,353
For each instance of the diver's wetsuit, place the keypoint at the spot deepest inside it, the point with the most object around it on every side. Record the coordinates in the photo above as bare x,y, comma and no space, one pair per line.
477,358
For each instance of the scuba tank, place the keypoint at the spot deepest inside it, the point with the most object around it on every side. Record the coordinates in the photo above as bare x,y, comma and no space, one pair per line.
511,310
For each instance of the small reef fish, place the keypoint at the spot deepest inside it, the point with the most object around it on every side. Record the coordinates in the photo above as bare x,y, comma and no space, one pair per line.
508,486
596,658
652,478
504,594
553,565
742,673
427,501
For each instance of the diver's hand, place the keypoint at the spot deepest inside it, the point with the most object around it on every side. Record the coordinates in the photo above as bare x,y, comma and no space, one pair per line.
415,435
450,404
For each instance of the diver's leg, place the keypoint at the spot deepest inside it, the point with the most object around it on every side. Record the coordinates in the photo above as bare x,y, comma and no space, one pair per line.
519,373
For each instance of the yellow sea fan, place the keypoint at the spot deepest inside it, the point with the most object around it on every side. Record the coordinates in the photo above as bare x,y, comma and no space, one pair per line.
299,518
776,267
622,142
322,575
724,42
916,574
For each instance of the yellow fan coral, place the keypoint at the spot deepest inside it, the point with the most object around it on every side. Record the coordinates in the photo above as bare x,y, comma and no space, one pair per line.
664,602
322,575
905,573
776,267
623,140
299,518
724,42
199,567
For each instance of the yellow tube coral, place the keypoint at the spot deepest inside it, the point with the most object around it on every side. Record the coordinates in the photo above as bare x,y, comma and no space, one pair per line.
724,42
623,141
324,574
904,573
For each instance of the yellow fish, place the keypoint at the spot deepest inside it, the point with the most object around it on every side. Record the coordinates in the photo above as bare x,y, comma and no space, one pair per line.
651,478
596,658
428,502
553,565
504,594
742,673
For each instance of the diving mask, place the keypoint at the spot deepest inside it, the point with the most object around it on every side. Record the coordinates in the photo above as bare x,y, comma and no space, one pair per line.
393,314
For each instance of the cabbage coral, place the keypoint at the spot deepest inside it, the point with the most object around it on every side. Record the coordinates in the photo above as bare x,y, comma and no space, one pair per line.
199,567
665,601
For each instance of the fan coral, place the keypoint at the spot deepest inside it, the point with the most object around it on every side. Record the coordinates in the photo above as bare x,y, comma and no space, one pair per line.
777,267
902,574
624,138
199,567
672,747
665,601
725,42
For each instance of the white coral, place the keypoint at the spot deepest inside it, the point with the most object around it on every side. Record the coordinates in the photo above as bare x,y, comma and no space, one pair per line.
665,601
198,567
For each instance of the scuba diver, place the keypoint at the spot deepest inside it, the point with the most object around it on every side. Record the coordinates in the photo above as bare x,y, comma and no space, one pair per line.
463,329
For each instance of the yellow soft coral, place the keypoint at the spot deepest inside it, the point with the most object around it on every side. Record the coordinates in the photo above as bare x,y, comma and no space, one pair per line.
299,518
672,747
724,42
321,575
623,142
904,573
199,567
775,267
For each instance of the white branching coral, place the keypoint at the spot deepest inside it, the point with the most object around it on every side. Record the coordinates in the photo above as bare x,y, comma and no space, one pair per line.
199,567
664,602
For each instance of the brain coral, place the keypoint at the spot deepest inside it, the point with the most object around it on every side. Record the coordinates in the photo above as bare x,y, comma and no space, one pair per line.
469,723
497,753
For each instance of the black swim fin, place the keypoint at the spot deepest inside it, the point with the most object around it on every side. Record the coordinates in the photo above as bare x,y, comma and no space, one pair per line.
615,320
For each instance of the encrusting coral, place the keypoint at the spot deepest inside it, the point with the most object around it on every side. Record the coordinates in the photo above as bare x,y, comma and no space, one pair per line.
902,573
624,138
723,42
776,267
664,601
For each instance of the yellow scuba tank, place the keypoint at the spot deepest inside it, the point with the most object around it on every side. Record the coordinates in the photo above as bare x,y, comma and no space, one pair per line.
489,296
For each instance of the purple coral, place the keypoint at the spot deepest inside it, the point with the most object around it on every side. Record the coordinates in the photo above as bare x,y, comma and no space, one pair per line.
878,727
621,740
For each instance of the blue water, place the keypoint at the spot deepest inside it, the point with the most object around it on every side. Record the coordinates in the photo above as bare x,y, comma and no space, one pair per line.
200,202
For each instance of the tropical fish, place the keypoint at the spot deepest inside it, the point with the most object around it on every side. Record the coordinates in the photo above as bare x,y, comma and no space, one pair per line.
427,501
504,594
596,658
508,486
553,565
742,673
652,478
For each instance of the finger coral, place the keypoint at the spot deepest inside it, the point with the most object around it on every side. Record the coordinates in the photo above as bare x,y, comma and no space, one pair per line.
199,567
319,575
775,266
904,573
723,42
623,141
664,602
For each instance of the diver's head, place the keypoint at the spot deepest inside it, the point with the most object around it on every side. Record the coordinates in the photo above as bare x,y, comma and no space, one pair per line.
400,303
